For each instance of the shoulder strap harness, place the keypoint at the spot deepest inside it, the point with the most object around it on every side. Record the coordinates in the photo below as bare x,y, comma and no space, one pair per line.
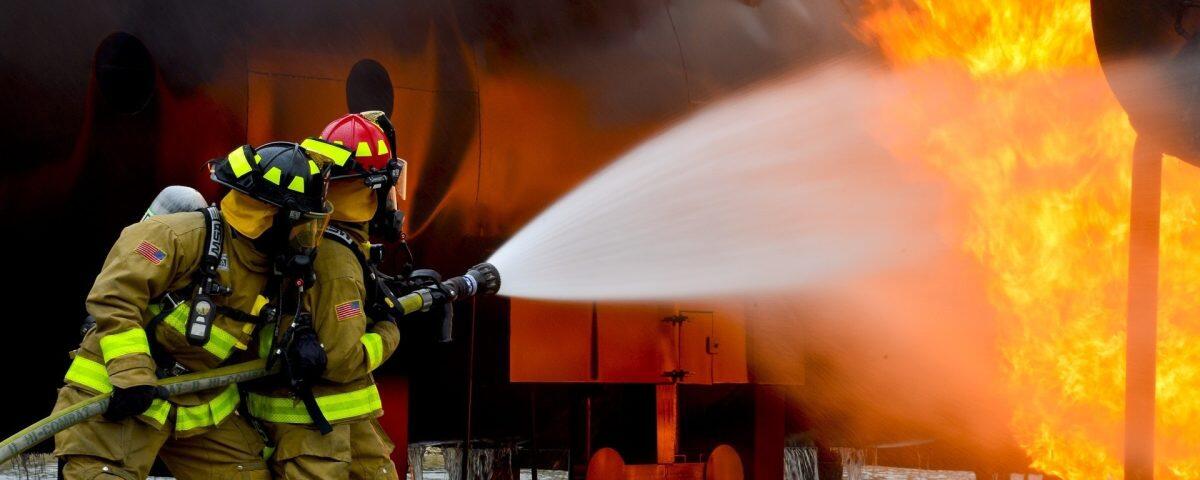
205,285
381,302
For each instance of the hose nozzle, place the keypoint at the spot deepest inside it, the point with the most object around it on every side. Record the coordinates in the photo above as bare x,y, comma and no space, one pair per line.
482,279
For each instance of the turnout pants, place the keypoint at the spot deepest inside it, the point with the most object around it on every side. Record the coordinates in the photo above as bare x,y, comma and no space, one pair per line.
359,449
100,449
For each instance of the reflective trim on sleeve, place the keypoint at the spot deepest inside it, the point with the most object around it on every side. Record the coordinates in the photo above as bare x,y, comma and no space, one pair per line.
335,407
88,373
158,411
93,375
373,342
124,343
208,414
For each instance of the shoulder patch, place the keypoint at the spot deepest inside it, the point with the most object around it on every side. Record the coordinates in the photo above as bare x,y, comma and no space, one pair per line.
151,252
347,310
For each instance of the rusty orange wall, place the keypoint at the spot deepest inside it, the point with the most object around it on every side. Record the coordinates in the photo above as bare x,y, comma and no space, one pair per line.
626,343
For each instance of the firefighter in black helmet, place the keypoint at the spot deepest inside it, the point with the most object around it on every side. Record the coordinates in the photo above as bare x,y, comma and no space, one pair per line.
186,292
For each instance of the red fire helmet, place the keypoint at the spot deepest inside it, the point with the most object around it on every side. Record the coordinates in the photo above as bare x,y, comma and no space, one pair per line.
366,139
381,174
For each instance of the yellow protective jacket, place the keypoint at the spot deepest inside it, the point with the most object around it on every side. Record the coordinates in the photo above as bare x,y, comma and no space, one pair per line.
354,345
152,258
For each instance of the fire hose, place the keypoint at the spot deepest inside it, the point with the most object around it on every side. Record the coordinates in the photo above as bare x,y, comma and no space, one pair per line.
480,279
189,383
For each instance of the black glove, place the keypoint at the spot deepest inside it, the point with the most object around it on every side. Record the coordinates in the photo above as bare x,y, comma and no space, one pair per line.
127,402
304,359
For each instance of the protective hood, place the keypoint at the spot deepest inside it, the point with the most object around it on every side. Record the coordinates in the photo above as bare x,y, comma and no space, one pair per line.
352,201
248,216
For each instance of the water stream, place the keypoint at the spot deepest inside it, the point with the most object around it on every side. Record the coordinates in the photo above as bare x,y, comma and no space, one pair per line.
774,188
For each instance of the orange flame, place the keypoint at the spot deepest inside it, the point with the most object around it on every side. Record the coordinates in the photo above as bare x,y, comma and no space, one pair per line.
1013,109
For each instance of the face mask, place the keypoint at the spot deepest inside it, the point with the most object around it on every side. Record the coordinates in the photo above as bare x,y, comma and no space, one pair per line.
300,247
388,221
305,235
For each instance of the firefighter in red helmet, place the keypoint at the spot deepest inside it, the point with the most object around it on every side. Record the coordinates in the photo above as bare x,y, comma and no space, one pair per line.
349,441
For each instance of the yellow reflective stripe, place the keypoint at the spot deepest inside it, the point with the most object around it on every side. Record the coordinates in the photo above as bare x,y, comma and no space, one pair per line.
265,339
124,343
238,161
89,373
335,407
296,185
208,414
277,410
334,152
382,147
273,174
374,345
257,158
93,375
364,150
220,342
350,404
158,410
313,169
259,303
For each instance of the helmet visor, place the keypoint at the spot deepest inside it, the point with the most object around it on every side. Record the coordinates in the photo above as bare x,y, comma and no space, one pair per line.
306,232
402,181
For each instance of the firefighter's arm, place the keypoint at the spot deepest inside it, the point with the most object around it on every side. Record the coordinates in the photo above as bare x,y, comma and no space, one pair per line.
339,317
383,336
141,266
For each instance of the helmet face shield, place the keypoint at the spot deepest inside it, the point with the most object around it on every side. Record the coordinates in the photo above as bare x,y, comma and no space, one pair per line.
401,185
305,233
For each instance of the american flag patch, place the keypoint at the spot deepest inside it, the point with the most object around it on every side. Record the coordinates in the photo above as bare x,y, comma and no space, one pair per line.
349,309
151,252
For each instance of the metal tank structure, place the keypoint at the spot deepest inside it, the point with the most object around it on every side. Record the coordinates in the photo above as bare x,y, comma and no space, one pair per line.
1149,51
